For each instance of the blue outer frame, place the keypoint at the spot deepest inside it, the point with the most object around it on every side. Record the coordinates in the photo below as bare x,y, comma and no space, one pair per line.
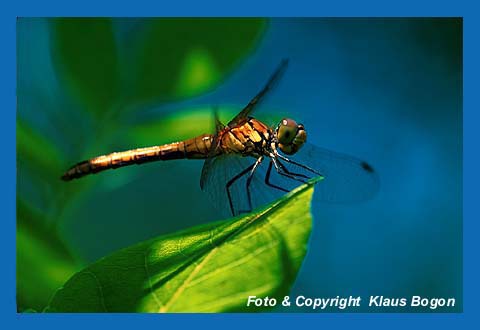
243,8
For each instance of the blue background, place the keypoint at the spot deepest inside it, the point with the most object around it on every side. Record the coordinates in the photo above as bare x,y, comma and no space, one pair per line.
470,133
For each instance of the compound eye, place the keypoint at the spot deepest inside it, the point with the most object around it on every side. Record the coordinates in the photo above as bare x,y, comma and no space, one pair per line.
287,130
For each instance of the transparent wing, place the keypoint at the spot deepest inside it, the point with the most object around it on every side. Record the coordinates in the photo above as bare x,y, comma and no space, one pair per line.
251,105
213,150
207,164
346,179
222,169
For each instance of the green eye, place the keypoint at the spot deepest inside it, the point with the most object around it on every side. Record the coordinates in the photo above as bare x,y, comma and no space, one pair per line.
287,130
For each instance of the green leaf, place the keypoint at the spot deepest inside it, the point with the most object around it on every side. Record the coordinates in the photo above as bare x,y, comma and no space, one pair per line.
85,54
167,59
43,261
211,268
177,126
36,150
198,73
183,57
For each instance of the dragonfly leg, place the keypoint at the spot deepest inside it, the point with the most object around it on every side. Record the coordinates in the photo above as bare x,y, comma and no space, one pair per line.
280,170
249,181
232,181
284,168
298,164
267,178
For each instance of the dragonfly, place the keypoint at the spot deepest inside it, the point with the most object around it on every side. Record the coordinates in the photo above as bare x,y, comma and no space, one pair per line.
248,163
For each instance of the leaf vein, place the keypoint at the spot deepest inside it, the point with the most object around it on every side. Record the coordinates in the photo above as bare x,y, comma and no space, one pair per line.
154,294
184,285
237,262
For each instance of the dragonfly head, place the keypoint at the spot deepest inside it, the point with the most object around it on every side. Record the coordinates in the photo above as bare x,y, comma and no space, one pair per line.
290,136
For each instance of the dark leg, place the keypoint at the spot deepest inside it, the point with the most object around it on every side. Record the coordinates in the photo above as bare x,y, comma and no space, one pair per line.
288,172
298,164
232,180
249,181
280,171
267,178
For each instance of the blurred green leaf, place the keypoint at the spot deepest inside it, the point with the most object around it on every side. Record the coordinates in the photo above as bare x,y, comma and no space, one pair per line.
169,58
43,261
183,57
177,126
211,268
197,73
37,150
85,54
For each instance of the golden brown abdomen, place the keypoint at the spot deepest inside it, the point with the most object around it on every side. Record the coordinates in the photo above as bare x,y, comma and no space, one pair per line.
195,148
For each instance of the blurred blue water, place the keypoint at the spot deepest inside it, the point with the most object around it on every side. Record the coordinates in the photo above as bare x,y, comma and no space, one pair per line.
387,91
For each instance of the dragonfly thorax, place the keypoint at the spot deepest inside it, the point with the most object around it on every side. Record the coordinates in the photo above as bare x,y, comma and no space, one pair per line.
290,136
250,138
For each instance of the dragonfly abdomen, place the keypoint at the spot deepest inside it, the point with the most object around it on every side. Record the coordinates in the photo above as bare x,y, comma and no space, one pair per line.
198,147
195,148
